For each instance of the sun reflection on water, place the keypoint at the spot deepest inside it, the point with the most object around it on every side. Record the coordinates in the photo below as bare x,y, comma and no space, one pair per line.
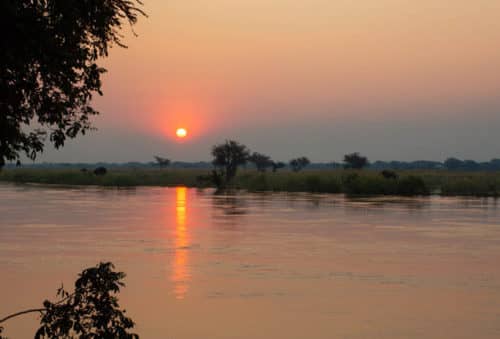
181,275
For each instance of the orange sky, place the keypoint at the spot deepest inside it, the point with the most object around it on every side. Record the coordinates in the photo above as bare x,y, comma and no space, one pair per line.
221,66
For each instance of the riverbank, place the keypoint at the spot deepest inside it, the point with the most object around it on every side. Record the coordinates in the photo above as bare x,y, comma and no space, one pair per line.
319,181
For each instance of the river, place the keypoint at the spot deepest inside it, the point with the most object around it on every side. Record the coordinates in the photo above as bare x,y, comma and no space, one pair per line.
250,265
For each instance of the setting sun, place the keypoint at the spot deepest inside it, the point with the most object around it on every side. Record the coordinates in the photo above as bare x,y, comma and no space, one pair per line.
181,132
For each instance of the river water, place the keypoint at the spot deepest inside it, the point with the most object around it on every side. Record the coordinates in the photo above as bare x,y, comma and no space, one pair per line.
246,265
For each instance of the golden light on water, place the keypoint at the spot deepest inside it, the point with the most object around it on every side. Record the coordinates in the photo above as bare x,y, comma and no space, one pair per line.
181,275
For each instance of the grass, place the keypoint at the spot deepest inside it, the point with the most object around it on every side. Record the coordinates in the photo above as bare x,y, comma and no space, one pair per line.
422,182
119,178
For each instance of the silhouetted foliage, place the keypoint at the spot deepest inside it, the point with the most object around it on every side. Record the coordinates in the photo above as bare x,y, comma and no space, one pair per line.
49,71
355,184
227,157
403,165
217,179
162,162
492,165
411,185
100,171
388,174
349,181
355,161
90,311
277,165
261,161
452,164
299,163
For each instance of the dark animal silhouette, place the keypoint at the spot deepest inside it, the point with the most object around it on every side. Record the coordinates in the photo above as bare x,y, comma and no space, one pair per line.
100,171
389,174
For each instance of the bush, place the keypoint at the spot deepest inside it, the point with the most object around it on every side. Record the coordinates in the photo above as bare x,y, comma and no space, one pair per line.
258,183
472,187
322,184
412,185
356,184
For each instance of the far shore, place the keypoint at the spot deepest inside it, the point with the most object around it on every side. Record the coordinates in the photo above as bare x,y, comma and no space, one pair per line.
361,182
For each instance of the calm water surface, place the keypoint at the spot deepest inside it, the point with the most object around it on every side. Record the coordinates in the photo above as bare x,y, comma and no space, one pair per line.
201,265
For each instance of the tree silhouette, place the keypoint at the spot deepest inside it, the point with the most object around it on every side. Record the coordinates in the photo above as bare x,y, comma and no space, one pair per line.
227,157
49,71
90,311
162,162
299,163
355,161
261,161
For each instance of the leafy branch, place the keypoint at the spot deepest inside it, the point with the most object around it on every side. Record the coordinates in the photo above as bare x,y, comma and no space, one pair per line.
91,311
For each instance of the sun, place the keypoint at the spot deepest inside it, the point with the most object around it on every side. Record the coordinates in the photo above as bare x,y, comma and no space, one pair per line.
181,132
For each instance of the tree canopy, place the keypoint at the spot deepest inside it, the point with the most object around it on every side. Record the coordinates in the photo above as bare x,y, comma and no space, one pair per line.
48,68
227,157
355,160
299,163
162,162
261,161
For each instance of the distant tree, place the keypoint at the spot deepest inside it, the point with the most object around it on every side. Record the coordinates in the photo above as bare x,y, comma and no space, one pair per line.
355,161
453,164
277,165
261,161
401,165
48,68
162,162
227,157
470,165
90,311
299,163
494,165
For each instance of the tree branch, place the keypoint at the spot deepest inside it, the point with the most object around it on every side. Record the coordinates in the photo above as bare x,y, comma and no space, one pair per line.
21,313
35,309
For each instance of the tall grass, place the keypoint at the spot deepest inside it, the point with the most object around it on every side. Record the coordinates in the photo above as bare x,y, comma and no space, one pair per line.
129,177
319,181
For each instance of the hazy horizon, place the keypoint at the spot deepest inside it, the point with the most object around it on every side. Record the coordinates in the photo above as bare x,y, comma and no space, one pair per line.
392,79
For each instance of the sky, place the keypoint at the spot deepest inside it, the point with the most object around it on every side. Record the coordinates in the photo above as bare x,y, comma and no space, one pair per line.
391,79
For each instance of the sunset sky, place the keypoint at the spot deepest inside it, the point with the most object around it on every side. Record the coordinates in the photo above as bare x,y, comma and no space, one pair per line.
392,79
